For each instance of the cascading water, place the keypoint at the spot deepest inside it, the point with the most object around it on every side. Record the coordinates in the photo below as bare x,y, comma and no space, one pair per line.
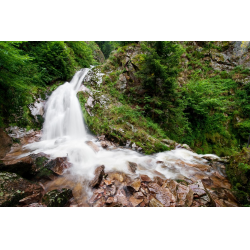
64,134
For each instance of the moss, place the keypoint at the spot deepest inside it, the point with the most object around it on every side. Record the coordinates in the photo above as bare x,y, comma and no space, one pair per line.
57,198
238,172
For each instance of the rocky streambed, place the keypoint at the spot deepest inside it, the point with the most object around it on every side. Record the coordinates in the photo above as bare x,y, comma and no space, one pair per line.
37,180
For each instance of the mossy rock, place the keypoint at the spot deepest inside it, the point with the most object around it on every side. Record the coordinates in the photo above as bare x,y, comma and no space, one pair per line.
12,189
57,198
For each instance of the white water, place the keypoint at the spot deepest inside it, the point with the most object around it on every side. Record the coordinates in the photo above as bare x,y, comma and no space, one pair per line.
64,134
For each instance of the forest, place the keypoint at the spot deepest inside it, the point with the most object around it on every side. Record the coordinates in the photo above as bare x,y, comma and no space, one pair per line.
154,96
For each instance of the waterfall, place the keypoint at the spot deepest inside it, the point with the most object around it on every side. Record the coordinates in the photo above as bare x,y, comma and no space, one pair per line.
64,135
63,115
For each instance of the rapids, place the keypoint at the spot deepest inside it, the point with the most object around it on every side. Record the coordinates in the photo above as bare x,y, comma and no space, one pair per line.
65,135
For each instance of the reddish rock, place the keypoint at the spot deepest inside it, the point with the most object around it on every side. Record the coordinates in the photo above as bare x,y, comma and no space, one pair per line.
100,202
138,195
135,184
135,202
184,195
142,204
145,178
99,172
144,190
121,198
165,197
59,165
202,167
158,180
153,187
110,200
198,189
108,182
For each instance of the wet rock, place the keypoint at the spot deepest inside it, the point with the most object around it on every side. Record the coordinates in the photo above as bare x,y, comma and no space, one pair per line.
93,146
14,188
116,176
99,172
57,198
184,195
138,195
155,203
145,178
202,167
158,180
172,186
153,187
58,165
198,188
159,162
134,201
121,198
135,184
162,194
108,182
101,138
110,200
111,190
100,202
142,204
132,167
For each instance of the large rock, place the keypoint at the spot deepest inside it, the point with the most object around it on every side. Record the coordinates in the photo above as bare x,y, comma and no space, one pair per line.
99,172
58,165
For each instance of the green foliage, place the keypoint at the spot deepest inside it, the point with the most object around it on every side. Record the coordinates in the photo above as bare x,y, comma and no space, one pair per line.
26,68
238,172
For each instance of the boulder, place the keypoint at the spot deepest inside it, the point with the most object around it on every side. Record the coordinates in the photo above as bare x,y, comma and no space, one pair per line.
58,165
99,172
